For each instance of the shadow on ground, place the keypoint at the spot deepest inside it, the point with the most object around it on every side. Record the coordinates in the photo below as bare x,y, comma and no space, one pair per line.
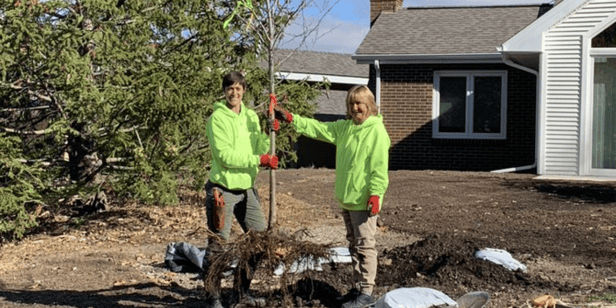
306,292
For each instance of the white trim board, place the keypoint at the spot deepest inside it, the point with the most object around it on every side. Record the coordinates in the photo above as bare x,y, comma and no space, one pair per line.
322,78
429,59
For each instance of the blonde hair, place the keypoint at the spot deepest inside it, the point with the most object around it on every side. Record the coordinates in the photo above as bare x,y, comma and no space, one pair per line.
360,91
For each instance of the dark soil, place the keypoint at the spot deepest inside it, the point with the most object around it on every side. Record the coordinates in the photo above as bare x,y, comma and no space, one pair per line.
431,225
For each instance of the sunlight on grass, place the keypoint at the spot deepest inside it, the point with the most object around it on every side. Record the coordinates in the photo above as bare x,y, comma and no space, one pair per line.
610,297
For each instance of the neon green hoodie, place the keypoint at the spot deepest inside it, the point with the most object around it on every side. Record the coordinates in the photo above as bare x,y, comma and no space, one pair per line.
362,157
236,142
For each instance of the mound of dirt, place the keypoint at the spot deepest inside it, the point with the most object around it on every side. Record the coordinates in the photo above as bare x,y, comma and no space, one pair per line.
450,264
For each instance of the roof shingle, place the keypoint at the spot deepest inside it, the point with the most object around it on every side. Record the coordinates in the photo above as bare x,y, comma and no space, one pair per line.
446,30
321,63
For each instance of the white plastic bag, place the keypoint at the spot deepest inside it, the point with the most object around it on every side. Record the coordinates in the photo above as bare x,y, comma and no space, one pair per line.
415,298
340,255
336,255
500,257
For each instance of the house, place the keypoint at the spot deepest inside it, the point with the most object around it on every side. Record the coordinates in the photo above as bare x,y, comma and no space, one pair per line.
342,73
500,88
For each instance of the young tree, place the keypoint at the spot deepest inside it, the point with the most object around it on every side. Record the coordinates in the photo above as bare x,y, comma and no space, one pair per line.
266,22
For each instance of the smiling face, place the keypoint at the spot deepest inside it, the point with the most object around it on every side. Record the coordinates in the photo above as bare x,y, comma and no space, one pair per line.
359,110
234,94
360,104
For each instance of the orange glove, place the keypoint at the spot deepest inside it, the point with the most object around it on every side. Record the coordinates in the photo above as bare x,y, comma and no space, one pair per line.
270,161
219,209
373,205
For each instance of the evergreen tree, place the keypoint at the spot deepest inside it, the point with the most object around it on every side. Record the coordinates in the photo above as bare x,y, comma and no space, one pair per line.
115,94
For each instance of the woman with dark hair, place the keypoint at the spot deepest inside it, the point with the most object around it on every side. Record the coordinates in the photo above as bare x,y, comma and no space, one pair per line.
238,148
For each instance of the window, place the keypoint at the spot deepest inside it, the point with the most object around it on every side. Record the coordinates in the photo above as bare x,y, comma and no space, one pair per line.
470,105
605,39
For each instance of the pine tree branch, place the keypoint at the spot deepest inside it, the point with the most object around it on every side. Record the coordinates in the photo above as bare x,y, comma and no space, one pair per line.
25,132
181,44
24,108
128,130
54,100
16,85
43,162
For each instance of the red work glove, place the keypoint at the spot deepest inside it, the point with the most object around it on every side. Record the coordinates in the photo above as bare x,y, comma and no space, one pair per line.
219,209
373,205
282,115
270,161
273,124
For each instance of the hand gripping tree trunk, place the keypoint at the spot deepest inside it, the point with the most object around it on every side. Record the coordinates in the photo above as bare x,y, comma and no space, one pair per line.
266,24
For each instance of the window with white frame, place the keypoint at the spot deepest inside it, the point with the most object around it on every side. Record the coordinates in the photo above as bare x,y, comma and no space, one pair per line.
469,105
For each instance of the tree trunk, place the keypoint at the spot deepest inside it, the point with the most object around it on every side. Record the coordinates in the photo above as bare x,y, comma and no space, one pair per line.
272,215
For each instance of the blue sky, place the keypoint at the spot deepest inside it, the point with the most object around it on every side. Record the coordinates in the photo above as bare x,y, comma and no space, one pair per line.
346,24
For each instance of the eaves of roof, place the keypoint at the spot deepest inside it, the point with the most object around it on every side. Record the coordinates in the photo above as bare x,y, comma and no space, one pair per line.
529,39
495,57
311,77
319,63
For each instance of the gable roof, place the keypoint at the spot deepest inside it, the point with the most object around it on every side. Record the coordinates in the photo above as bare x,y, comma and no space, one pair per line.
339,69
332,102
529,39
321,63
447,30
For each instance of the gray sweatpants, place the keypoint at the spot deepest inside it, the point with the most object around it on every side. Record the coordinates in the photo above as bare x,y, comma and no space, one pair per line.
244,204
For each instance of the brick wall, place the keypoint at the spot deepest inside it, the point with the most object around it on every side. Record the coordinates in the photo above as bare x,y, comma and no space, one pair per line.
406,105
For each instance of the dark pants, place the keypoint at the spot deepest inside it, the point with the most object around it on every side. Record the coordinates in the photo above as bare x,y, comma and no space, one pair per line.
244,205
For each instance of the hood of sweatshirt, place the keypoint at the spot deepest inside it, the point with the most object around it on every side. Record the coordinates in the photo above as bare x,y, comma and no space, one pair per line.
222,108
370,121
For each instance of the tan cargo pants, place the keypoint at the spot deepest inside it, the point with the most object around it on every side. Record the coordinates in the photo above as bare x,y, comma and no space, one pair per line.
361,229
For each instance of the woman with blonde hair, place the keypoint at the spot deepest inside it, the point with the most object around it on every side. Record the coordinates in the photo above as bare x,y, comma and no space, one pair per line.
362,159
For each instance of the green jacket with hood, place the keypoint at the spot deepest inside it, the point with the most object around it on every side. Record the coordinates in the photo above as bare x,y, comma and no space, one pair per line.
236,142
362,157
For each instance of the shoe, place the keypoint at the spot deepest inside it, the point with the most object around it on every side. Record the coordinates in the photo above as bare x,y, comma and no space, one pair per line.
217,303
353,293
361,301
251,300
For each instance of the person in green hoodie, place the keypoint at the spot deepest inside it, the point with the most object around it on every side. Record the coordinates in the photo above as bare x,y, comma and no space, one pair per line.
238,148
362,162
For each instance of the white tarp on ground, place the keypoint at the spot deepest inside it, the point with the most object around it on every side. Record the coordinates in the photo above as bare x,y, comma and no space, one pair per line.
428,298
415,298
336,255
500,257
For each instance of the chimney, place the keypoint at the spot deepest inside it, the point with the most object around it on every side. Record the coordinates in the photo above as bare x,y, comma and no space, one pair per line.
383,6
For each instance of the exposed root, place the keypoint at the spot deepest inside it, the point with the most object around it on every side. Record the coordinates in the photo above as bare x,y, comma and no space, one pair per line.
271,249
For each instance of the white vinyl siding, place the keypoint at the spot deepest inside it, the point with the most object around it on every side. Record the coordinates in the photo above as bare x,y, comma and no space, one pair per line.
563,64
